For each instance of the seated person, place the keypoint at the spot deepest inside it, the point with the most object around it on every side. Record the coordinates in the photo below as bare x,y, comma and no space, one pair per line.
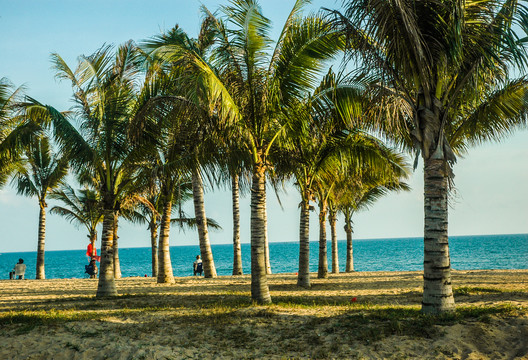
91,269
19,270
197,266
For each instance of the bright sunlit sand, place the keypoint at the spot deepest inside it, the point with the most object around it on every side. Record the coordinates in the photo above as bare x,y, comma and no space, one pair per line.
369,315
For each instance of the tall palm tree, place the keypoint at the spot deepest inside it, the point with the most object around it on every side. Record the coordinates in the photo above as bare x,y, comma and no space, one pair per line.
105,95
192,105
233,169
237,247
443,75
332,220
43,171
171,178
81,207
265,85
254,86
176,127
201,220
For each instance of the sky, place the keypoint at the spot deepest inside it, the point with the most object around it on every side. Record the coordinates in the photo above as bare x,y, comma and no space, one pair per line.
491,194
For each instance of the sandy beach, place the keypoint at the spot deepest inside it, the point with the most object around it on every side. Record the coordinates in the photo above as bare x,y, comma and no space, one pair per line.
363,315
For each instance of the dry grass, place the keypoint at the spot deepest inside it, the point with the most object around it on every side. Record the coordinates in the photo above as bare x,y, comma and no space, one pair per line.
214,318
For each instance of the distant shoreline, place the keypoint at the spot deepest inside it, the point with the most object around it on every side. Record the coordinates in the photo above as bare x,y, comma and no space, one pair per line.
280,242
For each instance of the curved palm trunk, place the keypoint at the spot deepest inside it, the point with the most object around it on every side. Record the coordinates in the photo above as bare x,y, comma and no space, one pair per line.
322,272
165,275
259,280
237,249
332,219
154,245
437,294
350,249
303,276
201,222
41,242
266,241
117,265
106,285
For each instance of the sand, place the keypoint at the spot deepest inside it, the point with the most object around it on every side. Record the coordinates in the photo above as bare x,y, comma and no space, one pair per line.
363,315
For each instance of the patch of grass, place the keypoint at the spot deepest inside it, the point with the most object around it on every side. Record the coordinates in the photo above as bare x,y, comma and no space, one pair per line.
468,290
377,323
31,319
308,302
42,317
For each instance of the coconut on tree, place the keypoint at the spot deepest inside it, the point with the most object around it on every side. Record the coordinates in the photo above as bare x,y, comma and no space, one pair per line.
443,83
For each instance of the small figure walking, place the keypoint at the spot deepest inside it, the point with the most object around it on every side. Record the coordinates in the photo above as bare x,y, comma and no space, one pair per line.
19,270
197,266
91,269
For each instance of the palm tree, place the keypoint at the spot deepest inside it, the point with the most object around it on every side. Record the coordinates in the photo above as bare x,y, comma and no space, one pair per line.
265,85
105,97
171,179
443,73
201,221
237,247
323,147
81,207
15,131
234,170
245,82
181,103
42,172
356,192
332,220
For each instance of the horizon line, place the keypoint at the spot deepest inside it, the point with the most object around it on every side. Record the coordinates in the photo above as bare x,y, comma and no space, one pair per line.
274,242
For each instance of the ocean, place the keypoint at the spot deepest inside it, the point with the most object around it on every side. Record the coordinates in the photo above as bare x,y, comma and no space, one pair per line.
403,254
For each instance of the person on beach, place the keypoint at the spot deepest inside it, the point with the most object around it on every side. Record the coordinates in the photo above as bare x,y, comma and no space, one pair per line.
20,269
91,269
197,266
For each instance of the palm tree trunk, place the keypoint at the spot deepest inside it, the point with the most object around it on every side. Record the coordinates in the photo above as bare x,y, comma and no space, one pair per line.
332,219
303,276
41,242
201,222
93,239
259,280
237,249
165,275
266,240
106,285
322,272
154,245
437,293
117,265
350,249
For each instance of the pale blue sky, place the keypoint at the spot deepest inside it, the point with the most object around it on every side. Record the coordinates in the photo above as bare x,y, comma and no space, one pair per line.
491,181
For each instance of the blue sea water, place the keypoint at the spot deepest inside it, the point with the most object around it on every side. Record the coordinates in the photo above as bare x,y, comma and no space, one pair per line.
404,254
